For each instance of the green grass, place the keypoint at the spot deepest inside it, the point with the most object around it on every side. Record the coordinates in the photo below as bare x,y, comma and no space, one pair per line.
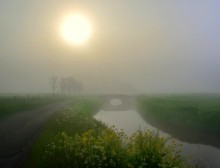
72,138
198,112
13,104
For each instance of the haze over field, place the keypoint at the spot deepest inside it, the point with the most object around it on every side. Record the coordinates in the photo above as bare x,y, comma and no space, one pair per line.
135,46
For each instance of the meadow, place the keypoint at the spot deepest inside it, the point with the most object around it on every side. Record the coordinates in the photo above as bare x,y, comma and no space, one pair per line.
11,104
193,112
73,138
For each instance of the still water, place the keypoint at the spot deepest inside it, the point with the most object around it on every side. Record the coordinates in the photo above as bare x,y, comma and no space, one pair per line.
131,121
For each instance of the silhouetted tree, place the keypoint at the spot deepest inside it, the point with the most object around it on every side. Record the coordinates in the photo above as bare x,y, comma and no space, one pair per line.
53,82
70,85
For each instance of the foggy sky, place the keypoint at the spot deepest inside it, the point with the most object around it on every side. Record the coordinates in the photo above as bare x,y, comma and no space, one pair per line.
136,46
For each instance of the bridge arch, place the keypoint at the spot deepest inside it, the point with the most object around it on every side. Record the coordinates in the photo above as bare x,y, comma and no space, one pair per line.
117,102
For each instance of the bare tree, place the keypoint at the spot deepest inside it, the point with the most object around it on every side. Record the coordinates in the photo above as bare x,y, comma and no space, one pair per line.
53,81
70,85
63,85
70,82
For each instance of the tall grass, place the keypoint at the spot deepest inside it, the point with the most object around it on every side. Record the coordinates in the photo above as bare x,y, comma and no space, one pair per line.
72,138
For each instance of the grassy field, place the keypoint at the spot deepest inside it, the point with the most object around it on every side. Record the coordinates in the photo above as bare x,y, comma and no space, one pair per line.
197,112
73,138
13,104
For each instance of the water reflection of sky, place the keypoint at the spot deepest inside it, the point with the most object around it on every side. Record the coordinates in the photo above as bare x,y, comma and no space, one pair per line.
131,121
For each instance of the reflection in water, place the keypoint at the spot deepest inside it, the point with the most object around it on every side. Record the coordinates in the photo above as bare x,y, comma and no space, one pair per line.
131,121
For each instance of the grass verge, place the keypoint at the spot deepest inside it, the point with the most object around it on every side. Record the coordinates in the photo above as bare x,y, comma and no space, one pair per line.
13,104
198,112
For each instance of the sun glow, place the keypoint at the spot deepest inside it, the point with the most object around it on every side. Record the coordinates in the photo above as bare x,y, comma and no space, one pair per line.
76,29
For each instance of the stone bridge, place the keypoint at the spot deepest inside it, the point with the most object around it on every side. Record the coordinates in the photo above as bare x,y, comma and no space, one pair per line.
117,102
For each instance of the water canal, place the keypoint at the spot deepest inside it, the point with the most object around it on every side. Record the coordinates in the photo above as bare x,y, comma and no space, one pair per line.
129,120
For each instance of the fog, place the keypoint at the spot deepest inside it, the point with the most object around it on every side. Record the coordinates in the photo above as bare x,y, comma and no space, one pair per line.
136,46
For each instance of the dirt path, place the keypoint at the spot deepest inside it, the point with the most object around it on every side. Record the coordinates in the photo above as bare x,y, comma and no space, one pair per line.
18,131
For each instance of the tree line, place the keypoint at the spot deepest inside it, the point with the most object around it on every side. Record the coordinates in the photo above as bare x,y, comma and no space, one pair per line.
67,85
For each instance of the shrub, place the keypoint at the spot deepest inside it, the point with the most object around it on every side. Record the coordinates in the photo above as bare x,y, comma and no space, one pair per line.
110,148
147,149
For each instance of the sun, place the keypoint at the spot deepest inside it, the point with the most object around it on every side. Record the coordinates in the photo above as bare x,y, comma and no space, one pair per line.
76,29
